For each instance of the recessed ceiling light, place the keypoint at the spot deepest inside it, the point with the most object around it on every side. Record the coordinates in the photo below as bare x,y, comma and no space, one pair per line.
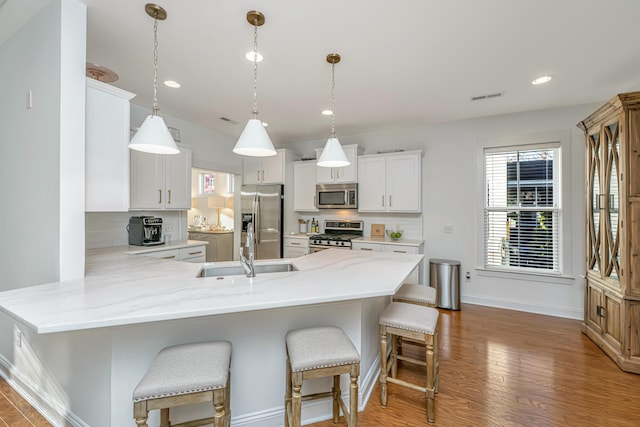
541,80
250,55
171,83
327,112
265,124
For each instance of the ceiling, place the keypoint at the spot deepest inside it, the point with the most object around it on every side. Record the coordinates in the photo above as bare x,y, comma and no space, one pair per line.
403,63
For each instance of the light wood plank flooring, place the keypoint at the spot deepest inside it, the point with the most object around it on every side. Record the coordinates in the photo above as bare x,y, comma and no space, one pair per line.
497,368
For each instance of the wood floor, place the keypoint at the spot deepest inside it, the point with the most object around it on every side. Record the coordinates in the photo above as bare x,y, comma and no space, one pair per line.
497,368
508,368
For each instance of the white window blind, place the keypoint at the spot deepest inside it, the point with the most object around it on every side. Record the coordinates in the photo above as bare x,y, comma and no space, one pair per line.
522,208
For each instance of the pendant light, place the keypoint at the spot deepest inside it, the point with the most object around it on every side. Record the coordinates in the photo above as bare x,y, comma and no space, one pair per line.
154,136
333,155
254,140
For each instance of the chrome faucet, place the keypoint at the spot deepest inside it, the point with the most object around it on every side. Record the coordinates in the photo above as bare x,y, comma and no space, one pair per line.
247,264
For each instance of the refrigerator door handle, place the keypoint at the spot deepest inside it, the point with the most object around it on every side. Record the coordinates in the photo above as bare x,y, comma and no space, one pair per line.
259,216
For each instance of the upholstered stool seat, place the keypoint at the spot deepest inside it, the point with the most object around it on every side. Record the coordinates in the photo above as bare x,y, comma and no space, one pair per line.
316,353
186,374
416,323
416,294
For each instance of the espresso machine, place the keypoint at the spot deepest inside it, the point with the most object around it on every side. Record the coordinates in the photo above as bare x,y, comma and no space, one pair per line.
145,231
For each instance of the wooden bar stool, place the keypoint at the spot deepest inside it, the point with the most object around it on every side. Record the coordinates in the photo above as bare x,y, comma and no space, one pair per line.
416,294
416,323
317,353
421,295
186,374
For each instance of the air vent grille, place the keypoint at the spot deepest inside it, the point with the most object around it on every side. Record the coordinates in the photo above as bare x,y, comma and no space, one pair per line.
226,119
488,96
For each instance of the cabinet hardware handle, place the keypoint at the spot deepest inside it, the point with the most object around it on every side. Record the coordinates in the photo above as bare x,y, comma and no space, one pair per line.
366,249
159,196
383,200
195,253
390,200
262,175
400,252
169,191
599,310
295,244
168,257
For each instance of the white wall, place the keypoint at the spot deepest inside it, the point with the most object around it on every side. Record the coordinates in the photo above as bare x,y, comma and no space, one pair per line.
42,187
450,198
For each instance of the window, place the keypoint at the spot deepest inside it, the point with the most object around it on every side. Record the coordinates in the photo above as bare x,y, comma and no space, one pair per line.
522,208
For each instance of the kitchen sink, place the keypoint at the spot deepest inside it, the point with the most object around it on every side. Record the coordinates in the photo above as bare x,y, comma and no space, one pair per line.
237,270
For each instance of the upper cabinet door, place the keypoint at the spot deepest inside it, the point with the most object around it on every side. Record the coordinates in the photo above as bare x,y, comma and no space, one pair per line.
178,180
147,180
611,204
593,194
404,183
372,184
107,151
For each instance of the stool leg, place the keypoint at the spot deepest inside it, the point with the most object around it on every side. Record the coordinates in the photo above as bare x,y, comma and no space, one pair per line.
353,396
218,406
296,399
140,413
287,394
394,355
336,394
437,361
430,393
227,400
383,366
164,417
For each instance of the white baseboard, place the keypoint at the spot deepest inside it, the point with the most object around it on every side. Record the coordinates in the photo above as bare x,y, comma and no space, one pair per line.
313,411
54,413
566,312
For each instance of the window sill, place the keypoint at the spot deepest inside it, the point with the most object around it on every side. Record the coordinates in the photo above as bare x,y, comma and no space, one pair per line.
533,277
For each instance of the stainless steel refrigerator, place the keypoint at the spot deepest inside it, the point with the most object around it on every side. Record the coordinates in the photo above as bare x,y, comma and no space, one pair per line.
262,205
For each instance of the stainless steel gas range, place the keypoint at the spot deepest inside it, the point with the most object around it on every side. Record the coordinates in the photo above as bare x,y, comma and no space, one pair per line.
337,234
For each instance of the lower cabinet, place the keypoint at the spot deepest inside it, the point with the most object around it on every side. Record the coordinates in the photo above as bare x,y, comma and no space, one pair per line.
190,254
417,276
296,246
219,247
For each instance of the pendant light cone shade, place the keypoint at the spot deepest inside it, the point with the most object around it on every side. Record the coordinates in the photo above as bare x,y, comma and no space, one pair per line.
254,141
333,155
154,137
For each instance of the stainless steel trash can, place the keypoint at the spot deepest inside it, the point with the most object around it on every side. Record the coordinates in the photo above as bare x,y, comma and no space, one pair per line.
444,275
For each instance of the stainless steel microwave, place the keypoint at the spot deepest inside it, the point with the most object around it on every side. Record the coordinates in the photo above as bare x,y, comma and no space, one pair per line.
337,196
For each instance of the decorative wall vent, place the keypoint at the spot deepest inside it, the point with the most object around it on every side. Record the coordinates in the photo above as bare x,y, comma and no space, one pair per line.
489,96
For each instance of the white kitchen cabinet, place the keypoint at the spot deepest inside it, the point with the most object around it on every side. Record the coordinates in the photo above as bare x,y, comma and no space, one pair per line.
161,181
193,253
106,148
267,170
408,246
339,175
390,182
296,246
304,186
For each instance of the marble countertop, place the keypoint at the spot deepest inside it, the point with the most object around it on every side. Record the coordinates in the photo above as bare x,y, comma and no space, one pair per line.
211,231
388,241
121,289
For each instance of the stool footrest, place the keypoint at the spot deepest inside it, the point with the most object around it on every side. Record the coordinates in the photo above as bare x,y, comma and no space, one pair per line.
406,384
317,395
412,360
195,423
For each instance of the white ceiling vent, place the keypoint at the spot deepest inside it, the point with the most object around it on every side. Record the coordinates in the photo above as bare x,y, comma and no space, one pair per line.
489,96
226,119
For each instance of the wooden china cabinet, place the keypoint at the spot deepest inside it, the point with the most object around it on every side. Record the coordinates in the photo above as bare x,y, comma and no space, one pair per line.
612,294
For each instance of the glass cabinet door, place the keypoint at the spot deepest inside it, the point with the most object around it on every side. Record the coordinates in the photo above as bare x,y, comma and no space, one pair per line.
611,202
593,165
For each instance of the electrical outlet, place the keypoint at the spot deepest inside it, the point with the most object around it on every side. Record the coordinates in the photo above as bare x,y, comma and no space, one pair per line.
18,338
448,229
467,276
168,228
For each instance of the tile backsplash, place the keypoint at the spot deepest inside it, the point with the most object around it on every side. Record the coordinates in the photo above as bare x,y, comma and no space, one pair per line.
106,229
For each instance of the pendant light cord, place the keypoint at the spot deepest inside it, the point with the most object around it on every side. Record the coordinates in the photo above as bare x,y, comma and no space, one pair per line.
255,68
333,99
155,67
